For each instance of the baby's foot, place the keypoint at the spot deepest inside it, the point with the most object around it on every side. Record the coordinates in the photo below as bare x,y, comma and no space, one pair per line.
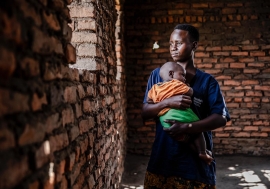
205,157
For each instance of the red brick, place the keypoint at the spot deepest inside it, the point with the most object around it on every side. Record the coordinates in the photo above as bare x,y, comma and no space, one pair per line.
267,58
34,185
70,54
239,53
220,66
233,105
265,129
37,101
64,183
223,77
78,110
32,133
237,65
84,126
238,100
263,88
59,142
216,4
251,128
235,94
259,134
52,72
250,47
256,65
257,53
230,128
212,60
67,116
45,44
227,60
70,94
73,133
201,54
235,4
246,59
182,5
200,5
213,48
195,13
7,63
11,29
221,53
241,134
232,82
52,122
51,20
253,93
60,170
17,169
228,11
30,67
7,138
87,108
253,71
250,82
175,12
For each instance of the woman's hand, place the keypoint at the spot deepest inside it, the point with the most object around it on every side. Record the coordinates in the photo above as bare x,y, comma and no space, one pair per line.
181,102
177,129
150,111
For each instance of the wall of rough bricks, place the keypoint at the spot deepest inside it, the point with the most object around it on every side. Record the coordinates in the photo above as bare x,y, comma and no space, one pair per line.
234,47
62,116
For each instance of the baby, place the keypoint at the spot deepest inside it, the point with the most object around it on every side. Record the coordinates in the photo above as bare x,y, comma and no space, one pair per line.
173,76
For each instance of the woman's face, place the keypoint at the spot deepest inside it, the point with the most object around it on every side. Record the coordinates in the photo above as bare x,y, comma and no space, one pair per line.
180,46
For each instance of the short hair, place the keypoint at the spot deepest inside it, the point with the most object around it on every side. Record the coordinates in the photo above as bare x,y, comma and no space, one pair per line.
192,31
168,66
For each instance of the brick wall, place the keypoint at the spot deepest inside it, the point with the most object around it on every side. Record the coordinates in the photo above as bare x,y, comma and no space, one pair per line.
62,125
234,47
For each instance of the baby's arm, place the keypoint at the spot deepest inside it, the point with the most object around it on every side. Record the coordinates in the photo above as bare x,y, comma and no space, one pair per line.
150,101
190,92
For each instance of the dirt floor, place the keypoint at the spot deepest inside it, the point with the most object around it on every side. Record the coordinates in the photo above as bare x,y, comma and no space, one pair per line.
233,172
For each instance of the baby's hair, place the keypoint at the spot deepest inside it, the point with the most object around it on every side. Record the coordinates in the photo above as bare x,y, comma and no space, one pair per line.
192,31
168,66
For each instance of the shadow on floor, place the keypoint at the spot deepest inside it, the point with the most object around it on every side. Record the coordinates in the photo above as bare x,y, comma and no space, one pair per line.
233,172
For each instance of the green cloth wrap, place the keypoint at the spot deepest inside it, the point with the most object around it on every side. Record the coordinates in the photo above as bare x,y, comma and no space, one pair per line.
183,116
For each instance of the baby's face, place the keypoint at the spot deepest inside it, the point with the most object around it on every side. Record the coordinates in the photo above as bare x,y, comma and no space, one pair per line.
180,75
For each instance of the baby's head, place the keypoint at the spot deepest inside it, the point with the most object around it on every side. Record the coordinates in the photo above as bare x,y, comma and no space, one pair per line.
172,70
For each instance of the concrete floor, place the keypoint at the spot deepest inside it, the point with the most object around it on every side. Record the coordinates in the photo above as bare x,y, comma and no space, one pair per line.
233,172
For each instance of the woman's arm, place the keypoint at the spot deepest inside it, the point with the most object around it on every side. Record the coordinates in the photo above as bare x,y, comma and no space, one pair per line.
150,111
212,122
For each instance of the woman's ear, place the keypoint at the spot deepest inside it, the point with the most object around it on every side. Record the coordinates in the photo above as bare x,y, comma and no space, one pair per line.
171,74
194,45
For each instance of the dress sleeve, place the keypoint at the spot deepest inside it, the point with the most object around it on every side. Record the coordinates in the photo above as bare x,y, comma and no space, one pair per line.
153,79
216,101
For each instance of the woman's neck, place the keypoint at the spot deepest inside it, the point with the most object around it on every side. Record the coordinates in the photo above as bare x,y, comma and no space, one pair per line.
190,69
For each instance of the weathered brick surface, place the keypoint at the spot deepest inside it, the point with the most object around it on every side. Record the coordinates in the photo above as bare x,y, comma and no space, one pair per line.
233,47
62,94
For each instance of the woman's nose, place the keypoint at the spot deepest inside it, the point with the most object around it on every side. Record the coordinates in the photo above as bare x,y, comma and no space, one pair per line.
173,46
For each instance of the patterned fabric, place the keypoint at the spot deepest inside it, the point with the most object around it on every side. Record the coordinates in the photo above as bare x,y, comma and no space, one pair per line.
153,181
